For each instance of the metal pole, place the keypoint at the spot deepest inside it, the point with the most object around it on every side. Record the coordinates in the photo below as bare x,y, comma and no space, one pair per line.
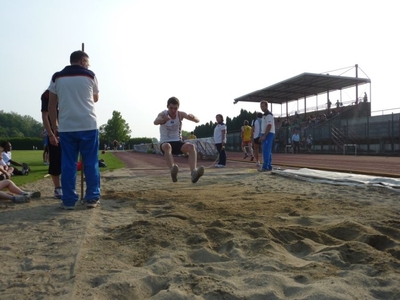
356,83
80,155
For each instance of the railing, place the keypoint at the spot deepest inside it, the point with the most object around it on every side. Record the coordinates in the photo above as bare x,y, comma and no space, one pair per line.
337,137
320,107
385,112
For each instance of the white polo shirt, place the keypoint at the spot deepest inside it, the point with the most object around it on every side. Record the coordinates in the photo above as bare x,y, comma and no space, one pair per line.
268,118
74,87
218,133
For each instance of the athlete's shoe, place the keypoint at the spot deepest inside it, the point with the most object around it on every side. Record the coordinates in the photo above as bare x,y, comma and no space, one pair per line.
62,206
197,173
219,166
57,193
92,203
252,158
32,195
174,173
245,156
24,198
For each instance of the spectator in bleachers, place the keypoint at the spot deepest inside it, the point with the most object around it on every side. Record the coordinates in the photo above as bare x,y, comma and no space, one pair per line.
309,142
303,144
296,141
365,98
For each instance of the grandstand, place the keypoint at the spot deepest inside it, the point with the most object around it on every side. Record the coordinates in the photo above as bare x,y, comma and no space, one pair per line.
341,127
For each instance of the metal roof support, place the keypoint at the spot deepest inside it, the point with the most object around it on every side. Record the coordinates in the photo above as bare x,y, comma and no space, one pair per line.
328,102
356,66
287,110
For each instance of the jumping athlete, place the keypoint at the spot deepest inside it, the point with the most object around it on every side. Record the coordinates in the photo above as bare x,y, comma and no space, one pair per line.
170,122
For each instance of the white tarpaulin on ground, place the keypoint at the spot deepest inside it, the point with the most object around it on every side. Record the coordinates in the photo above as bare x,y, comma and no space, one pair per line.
340,178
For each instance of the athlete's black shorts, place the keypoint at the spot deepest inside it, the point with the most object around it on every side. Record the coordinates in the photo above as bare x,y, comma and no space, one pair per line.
176,147
257,141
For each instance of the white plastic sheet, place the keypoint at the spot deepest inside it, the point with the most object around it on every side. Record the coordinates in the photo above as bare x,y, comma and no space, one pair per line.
339,178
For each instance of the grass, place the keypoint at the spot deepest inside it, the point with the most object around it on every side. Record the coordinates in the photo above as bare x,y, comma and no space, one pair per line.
34,159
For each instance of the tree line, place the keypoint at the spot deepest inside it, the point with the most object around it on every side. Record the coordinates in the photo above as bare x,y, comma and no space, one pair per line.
233,125
13,125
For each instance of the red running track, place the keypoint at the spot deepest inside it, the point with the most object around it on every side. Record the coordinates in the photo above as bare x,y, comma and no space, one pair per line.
370,165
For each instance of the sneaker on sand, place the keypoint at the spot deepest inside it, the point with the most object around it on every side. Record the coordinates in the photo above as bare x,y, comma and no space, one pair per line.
24,198
258,164
245,156
57,193
220,166
252,158
197,173
174,173
92,203
62,206
32,195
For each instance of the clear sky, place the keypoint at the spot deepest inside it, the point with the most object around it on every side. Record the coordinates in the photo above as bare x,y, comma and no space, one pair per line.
205,52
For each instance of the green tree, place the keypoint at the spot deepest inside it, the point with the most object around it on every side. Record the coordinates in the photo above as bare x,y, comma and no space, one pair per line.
115,129
15,125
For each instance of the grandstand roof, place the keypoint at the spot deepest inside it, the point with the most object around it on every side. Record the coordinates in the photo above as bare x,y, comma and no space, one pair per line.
300,86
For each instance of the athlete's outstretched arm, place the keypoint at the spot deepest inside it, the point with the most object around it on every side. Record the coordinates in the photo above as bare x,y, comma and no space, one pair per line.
189,117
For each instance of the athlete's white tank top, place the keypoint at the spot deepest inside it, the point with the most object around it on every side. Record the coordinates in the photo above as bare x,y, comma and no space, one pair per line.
171,130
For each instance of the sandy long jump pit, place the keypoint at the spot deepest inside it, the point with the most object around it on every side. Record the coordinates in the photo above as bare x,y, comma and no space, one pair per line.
236,234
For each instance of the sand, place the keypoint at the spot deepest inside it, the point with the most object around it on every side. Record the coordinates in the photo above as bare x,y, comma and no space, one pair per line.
236,234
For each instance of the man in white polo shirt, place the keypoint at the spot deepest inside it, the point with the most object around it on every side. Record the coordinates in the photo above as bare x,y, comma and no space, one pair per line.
267,137
75,90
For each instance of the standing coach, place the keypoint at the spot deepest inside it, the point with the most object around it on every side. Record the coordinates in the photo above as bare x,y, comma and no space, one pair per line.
76,91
